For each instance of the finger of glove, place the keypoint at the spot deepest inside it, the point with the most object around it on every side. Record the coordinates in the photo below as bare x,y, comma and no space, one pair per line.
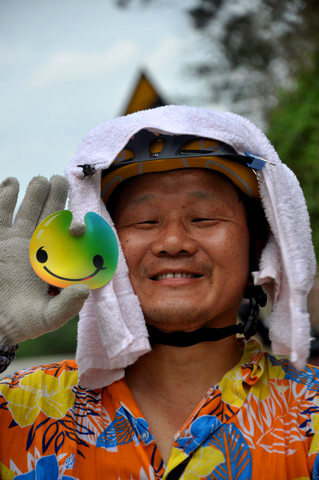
56,199
66,305
9,190
31,207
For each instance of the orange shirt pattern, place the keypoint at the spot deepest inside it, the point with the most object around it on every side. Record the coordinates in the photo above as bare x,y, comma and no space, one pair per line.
260,422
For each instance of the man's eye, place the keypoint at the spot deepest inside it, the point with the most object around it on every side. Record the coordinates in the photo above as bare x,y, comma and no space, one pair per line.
148,221
194,220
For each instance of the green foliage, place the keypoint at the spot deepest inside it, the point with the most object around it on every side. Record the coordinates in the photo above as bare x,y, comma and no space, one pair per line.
254,49
249,48
58,342
294,130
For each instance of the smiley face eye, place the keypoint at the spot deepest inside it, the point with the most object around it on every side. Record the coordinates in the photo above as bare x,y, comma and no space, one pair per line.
41,255
98,261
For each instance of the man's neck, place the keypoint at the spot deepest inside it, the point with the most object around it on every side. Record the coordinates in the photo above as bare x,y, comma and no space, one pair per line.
175,369
169,382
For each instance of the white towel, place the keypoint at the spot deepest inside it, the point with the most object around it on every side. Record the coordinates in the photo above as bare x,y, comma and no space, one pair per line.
112,332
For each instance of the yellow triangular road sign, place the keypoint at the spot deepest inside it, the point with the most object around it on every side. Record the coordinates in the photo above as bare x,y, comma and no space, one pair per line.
144,96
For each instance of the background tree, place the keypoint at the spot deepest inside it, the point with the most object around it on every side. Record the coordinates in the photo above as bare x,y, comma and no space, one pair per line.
255,47
294,130
250,48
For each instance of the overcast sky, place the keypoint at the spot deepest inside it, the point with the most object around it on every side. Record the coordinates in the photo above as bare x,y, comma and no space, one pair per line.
69,65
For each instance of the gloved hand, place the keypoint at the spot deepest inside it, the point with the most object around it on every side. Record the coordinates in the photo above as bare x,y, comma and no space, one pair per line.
28,306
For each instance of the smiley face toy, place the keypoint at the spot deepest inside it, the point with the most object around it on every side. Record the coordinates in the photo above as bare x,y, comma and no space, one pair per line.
61,259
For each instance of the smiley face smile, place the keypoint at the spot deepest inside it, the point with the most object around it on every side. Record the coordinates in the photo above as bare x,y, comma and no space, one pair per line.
74,279
98,262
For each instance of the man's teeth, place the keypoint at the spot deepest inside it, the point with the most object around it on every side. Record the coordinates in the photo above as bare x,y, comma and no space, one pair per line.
162,276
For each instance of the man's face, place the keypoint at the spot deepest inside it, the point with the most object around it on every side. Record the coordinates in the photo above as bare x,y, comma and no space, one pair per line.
186,242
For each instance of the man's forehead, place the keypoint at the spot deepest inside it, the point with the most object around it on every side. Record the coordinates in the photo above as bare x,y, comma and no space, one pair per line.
193,194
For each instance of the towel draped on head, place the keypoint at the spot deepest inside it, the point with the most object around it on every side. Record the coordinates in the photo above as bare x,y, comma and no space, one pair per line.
112,332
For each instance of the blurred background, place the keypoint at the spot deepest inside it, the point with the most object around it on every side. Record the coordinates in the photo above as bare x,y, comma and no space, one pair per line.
67,66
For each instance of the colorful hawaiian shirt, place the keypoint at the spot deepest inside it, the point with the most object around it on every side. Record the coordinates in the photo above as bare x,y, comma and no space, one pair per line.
260,422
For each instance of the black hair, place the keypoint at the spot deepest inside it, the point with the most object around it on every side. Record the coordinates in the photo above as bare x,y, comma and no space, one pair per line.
258,228
113,200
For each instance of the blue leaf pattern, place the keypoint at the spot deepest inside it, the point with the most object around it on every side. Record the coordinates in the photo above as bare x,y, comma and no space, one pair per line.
46,469
231,442
315,470
124,429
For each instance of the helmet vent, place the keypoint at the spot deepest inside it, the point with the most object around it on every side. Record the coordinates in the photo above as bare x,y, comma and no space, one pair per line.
156,146
124,156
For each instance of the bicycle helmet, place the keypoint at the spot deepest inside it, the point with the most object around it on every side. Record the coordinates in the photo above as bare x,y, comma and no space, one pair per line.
150,153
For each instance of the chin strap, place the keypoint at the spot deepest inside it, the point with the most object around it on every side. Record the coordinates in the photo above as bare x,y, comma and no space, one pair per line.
257,297
186,339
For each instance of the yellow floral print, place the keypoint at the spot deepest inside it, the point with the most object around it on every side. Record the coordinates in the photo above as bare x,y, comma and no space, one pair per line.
5,473
270,375
314,448
177,456
40,392
231,385
203,462
233,391
232,388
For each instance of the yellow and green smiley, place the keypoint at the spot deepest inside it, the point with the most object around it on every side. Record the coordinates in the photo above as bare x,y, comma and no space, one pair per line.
61,259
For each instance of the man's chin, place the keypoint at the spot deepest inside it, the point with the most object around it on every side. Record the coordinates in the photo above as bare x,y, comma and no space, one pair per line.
172,321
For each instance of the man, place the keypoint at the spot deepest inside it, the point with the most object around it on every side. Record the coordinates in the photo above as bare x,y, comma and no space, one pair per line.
182,186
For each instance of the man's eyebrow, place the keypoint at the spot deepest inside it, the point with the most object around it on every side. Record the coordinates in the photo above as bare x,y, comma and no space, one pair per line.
142,199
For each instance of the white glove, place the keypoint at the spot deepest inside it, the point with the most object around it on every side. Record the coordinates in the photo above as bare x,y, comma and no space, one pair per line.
29,307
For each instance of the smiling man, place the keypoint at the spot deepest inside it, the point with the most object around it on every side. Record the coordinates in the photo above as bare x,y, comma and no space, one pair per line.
181,259
181,262
163,386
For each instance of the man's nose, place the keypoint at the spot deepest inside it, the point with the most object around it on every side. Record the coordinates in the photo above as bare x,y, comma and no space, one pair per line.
174,239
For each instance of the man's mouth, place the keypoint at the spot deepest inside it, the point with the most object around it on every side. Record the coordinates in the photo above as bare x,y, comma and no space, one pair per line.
164,276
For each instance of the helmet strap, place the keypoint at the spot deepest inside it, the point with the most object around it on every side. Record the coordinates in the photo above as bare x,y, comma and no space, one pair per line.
186,339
